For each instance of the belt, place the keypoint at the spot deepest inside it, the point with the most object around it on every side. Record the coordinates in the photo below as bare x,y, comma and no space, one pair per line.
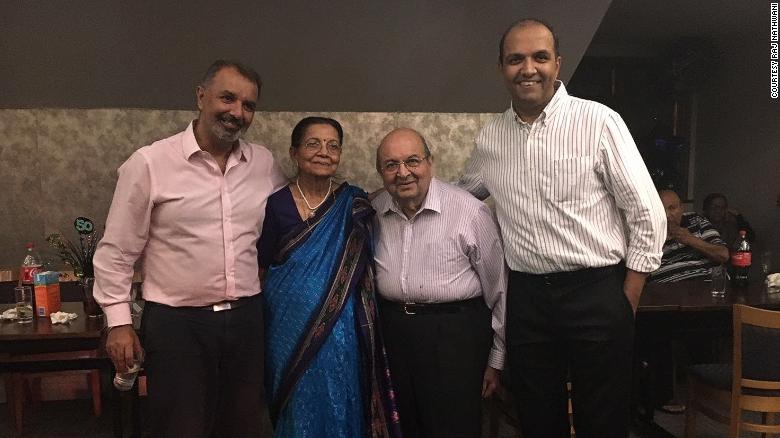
430,308
569,277
223,305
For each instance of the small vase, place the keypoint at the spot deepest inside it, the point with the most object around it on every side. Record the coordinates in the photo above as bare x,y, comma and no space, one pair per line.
91,307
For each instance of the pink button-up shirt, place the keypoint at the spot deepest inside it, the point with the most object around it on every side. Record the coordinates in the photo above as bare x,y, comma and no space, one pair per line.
194,228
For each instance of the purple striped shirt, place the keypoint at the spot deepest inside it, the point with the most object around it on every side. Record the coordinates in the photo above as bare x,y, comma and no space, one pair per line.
450,250
571,190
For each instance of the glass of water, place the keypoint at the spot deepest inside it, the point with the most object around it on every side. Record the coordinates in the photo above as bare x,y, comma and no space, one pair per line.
718,277
24,310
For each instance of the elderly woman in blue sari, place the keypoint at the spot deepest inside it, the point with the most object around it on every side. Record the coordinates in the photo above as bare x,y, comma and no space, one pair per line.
326,370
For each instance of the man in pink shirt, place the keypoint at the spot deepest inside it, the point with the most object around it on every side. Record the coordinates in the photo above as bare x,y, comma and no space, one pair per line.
191,206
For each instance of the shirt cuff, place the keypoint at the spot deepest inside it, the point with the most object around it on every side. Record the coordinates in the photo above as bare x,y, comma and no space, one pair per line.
642,261
496,358
118,314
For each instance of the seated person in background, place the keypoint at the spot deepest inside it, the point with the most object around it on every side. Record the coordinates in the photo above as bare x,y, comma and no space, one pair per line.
693,246
726,220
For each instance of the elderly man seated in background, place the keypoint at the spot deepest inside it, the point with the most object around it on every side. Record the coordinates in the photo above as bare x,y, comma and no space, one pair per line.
693,246
726,220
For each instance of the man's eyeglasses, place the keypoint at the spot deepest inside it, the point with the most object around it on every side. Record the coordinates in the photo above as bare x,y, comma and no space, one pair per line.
410,163
314,145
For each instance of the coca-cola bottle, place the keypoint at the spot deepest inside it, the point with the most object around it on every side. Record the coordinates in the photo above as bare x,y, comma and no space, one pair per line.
30,265
741,259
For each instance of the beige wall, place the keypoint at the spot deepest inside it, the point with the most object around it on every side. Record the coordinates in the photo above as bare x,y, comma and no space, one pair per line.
59,164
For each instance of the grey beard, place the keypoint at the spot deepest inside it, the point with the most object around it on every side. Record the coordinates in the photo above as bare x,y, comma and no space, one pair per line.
227,136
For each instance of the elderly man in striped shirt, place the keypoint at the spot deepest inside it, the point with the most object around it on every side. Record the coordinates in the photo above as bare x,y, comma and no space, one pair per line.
693,245
582,226
441,281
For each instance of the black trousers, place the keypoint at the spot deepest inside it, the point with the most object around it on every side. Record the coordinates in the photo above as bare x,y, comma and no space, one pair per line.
205,371
438,362
578,324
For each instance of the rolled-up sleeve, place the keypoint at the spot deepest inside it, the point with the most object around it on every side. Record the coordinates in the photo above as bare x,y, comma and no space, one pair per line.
487,258
627,178
127,231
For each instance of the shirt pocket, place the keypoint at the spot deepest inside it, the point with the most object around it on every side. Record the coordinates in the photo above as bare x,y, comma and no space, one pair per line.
572,178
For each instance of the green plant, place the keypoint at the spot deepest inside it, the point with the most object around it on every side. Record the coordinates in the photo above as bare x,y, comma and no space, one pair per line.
78,257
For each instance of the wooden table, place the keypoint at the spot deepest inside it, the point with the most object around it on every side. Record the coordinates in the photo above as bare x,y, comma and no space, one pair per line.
24,348
694,296
41,336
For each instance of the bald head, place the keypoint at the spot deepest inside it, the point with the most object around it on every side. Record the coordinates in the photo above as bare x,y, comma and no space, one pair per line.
400,136
406,166
672,205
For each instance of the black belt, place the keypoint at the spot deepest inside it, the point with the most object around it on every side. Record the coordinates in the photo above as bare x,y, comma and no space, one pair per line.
429,308
217,307
569,277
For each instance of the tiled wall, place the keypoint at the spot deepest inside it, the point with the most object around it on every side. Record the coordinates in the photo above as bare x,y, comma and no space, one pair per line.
57,164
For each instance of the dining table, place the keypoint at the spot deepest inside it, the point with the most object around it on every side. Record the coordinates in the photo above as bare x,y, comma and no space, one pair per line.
41,346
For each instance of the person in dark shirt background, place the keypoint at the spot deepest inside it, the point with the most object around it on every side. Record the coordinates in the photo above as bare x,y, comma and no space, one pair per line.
726,220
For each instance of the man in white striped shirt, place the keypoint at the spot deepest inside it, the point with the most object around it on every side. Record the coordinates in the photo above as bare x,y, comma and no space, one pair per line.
582,226
442,285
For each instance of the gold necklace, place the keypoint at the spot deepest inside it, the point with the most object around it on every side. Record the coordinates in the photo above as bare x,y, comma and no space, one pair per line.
313,210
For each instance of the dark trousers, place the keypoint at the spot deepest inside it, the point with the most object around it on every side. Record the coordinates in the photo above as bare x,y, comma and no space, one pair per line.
438,362
577,324
204,371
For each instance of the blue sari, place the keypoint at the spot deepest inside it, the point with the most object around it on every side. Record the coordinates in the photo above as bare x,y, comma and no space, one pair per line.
326,369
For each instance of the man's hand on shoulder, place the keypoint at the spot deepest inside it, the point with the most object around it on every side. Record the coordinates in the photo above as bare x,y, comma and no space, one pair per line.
124,347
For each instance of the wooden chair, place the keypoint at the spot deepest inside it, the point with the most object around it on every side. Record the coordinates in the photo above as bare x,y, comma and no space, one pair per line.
750,383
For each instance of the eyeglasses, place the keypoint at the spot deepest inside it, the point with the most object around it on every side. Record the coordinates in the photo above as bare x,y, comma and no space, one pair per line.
410,163
313,145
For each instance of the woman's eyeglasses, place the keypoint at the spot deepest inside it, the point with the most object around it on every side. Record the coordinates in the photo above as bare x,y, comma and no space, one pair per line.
314,145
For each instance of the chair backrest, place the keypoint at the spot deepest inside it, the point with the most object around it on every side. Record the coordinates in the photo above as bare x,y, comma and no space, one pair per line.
756,348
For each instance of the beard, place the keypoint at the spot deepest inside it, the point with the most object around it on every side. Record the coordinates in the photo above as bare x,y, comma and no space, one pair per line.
226,135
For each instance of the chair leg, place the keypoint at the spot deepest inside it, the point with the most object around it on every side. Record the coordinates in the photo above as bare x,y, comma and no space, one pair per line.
690,421
93,379
34,385
690,413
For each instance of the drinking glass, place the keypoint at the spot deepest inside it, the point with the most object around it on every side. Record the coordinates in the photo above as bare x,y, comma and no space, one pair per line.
718,277
24,310
766,262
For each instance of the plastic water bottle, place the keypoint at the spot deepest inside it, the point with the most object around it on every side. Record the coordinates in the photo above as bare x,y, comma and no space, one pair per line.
30,265
125,381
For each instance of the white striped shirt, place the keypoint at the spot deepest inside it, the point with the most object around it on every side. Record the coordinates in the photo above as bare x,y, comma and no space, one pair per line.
571,189
450,250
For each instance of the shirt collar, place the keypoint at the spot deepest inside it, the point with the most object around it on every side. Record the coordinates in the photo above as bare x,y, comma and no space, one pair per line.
190,147
560,95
